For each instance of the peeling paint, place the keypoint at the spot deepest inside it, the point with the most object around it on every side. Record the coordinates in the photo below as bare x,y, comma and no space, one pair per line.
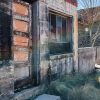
20,25
20,9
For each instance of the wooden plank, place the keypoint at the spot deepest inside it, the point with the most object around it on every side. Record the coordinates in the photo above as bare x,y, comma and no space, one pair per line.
20,9
20,40
19,25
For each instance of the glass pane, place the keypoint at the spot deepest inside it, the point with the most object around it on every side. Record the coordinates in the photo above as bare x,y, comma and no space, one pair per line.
53,27
69,29
59,28
64,31
69,32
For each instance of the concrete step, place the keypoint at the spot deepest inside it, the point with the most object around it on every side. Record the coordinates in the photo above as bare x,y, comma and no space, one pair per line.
48,97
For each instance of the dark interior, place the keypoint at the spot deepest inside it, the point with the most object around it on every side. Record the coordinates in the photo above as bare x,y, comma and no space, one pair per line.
29,1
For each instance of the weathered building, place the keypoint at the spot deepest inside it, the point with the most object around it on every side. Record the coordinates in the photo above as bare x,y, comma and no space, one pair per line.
38,42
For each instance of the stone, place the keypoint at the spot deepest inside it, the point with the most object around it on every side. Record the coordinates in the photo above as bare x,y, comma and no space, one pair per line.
48,97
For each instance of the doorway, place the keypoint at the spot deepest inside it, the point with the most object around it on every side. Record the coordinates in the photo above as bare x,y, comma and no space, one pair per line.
21,16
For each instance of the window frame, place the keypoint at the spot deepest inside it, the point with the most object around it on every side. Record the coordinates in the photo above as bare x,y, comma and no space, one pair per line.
71,33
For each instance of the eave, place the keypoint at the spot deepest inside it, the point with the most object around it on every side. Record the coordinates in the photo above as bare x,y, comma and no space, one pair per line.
73,2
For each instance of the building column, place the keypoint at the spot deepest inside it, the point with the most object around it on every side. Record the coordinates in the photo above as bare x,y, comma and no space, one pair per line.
44,37
35,43
75,39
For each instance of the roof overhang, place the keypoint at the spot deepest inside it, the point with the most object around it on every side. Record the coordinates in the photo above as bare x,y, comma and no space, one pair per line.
73,2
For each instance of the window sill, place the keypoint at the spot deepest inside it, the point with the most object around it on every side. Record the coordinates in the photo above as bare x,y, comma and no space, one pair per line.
61,55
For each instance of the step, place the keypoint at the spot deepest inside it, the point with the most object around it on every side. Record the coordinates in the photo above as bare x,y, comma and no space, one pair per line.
48,97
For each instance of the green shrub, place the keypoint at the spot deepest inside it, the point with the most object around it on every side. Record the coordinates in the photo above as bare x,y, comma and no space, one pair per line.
74,80
59,89
87,92
76,87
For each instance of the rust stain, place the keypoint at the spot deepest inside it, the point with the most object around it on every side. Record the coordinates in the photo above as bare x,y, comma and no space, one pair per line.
20,56
20,9
19,25
20,40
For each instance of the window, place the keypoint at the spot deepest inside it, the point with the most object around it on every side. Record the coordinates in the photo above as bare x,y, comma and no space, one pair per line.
60,28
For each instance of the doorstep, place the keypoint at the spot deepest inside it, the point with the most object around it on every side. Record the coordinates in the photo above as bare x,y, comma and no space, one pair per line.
48,97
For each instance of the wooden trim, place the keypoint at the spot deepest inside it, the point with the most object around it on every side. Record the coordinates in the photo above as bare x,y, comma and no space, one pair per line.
53,11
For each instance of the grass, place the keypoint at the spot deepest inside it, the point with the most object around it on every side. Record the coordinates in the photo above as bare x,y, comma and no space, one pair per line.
76,87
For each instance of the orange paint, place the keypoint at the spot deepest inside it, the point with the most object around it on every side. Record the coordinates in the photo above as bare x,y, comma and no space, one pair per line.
21,43
20,56
20,40
20,9
19,25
